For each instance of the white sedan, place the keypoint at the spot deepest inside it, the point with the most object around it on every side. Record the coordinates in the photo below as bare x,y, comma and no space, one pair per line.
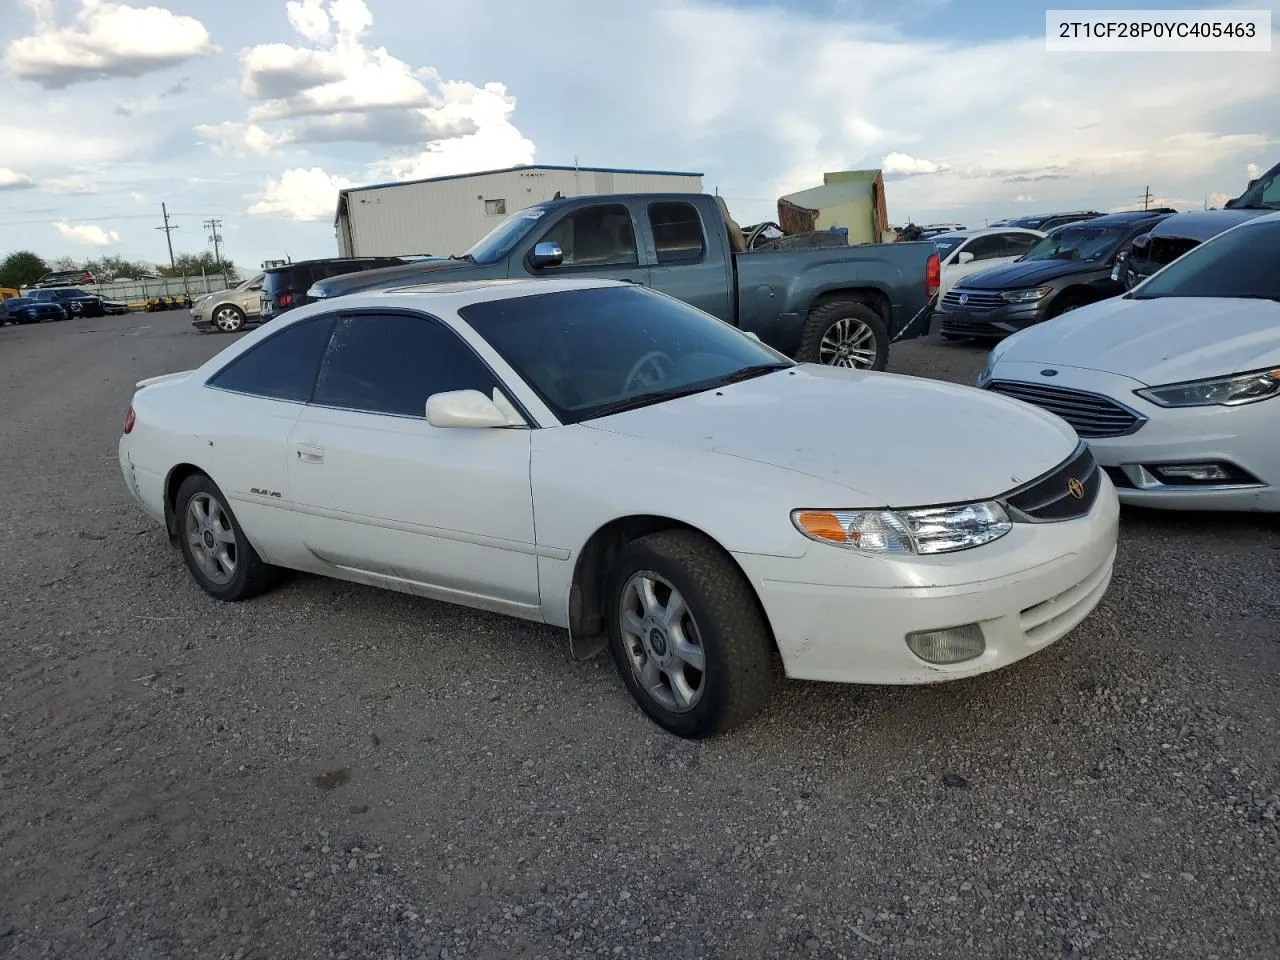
965,252
607,459
1175,384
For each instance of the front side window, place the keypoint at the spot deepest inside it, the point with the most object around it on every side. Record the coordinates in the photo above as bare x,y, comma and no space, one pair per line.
987,247
281,367
600,236
589,353
677,232
391,364
1241,263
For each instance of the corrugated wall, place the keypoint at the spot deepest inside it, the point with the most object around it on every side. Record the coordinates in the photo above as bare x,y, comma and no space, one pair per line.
448,216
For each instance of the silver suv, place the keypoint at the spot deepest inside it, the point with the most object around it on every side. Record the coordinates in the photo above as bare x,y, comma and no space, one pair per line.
227,311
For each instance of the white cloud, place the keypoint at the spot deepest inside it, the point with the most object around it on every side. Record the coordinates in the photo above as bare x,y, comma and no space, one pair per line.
13,180
1024,198
336,88
88,234
104,40
301,194
903,165
138,197
1253,171
241,139
78,185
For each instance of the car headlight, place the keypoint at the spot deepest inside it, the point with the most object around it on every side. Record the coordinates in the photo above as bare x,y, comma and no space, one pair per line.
1026,296
1221,391
925,530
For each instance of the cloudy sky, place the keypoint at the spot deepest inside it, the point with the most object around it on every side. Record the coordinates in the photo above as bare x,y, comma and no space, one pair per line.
257,111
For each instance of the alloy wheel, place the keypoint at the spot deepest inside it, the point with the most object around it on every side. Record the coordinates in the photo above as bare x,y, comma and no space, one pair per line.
848,343
227,320
662,642
211,538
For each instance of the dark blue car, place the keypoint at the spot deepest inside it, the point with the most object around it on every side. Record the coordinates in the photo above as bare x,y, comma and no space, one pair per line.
28,310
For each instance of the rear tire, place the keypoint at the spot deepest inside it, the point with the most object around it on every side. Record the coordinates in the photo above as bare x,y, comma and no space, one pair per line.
676,601
218,554
844,333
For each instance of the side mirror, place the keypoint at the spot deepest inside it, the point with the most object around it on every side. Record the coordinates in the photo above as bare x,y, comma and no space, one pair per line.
464,408
546,254
964,256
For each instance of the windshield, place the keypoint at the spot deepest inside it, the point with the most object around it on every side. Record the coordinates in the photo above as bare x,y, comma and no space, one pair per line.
251,281
497,243
1240,263
1079,241
590,353
1262,194
946,243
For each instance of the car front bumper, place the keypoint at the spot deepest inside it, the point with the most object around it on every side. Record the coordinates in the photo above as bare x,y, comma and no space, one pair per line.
1025,591
1242,438
996,323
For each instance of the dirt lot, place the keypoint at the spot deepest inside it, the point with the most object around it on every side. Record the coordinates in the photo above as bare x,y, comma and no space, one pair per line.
331,771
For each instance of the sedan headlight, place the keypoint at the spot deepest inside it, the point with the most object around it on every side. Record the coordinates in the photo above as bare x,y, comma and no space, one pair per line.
925,530
1026,296
1221,391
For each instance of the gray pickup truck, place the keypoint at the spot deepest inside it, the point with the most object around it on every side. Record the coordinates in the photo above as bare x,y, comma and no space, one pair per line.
836,305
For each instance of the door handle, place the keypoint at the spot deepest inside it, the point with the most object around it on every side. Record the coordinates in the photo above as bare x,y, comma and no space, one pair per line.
309,453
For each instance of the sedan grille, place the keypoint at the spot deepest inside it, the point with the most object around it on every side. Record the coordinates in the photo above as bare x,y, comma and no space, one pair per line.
1091,414
1066,492
972,301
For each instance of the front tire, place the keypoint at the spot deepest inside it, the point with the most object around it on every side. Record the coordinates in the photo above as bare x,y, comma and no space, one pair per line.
687,634
217,552
228,318
844,333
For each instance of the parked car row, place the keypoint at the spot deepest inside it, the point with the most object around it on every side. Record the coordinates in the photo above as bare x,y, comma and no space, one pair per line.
57,303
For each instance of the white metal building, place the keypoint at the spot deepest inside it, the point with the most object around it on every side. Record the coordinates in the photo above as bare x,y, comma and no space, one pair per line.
446,215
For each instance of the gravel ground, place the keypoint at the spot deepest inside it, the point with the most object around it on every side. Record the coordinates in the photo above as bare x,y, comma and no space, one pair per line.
332,771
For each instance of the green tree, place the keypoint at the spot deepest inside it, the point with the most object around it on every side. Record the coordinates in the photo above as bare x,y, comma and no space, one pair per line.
191,264
21,268
112,265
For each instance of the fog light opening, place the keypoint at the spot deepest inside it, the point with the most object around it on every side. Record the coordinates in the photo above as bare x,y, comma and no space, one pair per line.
949,645
1203,472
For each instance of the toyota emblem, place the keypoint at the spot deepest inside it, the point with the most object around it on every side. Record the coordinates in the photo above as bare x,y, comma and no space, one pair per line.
1075,488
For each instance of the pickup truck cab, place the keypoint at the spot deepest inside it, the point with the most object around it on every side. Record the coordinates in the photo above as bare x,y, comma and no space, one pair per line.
837,305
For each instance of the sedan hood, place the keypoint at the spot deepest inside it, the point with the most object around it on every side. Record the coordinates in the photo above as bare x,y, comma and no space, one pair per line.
1028,273
397,276
891,440
1167,340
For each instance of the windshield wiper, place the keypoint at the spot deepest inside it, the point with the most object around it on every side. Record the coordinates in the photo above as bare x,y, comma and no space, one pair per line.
466,256
645,399
748,372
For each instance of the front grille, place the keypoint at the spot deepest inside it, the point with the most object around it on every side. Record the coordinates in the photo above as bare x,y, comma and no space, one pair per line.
974,301
1066,492
1091,414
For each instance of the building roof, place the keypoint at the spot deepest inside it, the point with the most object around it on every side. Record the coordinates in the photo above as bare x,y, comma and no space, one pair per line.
838,187
522,168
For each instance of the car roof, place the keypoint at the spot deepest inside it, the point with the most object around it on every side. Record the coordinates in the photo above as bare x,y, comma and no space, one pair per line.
983,231
454,295
1127,217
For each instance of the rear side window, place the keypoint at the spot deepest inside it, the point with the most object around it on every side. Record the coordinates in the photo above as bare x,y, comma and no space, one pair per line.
391,363
677,232
281,367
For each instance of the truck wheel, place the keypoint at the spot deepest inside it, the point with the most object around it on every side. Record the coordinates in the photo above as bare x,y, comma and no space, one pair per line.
687,634
844,333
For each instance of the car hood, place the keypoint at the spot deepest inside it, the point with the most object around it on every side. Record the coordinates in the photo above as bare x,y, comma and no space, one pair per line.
1167,340
1202,225
1029,273
891,440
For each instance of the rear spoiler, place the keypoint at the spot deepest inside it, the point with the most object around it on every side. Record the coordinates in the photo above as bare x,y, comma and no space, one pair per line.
163,378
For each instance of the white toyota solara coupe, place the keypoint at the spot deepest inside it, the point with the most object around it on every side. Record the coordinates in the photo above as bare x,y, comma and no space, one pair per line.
1175,384
600,457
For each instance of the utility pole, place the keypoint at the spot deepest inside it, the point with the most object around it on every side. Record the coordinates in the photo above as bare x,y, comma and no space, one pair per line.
215,238
1146,199
173,264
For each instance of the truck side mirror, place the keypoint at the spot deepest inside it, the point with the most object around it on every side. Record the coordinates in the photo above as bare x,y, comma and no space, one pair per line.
964,257
546,254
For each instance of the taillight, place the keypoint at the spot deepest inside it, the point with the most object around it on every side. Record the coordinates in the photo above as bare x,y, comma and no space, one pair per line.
284,300
932,277
129,419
